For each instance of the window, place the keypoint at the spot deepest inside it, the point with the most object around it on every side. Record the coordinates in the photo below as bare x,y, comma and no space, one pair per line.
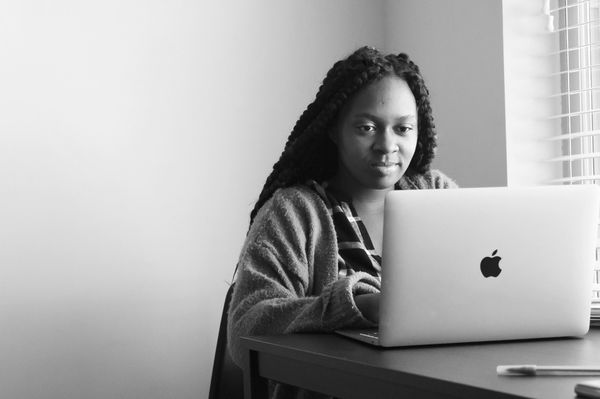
576,24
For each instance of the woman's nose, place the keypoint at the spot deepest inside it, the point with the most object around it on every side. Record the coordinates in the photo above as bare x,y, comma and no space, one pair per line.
385,142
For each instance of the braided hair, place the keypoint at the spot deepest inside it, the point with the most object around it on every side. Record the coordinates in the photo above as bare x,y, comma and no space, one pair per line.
309,153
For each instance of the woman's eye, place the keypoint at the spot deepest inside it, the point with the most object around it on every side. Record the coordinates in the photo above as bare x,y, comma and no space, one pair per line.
367,128
404,129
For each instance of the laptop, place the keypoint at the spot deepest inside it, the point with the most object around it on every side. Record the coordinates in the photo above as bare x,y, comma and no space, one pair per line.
486,264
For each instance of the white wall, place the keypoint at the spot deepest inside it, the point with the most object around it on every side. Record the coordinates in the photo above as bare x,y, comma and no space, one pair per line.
134,137
458,45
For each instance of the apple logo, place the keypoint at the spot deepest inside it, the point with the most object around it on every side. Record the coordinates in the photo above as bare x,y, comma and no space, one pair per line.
490,266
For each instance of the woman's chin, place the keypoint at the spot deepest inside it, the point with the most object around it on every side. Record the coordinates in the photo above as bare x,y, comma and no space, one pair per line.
385,183
387,180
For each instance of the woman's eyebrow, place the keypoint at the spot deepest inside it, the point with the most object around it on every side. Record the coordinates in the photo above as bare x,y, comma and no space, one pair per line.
408,118
365,115
402,118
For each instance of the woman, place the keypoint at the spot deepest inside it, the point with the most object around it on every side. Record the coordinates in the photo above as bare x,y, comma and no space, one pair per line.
311,260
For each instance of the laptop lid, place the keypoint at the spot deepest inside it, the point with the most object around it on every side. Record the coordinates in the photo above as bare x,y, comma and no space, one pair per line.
487,264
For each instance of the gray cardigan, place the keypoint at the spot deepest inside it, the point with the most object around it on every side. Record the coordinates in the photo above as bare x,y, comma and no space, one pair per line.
287,279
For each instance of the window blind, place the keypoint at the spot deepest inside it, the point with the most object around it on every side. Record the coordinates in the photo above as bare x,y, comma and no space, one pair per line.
576,25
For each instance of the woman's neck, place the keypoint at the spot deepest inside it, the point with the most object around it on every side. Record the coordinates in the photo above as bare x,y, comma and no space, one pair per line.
368,199
368,204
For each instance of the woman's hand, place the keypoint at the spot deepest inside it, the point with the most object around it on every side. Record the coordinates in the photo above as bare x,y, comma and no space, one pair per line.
368,304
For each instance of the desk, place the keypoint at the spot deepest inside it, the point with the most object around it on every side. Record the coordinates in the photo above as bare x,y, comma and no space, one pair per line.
341,367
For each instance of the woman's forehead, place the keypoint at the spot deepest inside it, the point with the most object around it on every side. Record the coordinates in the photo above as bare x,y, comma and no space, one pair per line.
390,94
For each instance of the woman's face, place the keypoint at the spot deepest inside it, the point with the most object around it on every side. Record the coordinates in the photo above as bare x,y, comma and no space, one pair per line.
376,136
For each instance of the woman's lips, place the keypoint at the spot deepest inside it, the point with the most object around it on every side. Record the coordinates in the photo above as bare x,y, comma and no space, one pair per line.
384,164
385,168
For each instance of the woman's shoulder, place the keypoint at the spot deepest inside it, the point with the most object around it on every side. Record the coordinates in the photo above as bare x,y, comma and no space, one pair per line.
298,195
297,201
432,179
291,218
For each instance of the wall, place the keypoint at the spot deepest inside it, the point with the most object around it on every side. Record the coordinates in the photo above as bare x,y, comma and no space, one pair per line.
134,137
458,45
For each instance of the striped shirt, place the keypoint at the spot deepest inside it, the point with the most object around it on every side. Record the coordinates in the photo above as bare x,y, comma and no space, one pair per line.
355,248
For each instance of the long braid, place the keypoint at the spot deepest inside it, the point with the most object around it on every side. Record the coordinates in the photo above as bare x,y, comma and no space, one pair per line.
310,154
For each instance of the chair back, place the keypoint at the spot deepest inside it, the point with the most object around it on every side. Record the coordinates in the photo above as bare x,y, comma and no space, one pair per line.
227,379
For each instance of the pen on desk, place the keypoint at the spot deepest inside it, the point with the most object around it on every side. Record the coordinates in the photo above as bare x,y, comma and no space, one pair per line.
532,369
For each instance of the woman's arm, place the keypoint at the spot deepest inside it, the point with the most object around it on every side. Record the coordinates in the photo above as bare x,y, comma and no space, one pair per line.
288,279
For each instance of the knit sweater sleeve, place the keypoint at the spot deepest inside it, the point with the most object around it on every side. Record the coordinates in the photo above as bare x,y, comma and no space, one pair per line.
287,277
